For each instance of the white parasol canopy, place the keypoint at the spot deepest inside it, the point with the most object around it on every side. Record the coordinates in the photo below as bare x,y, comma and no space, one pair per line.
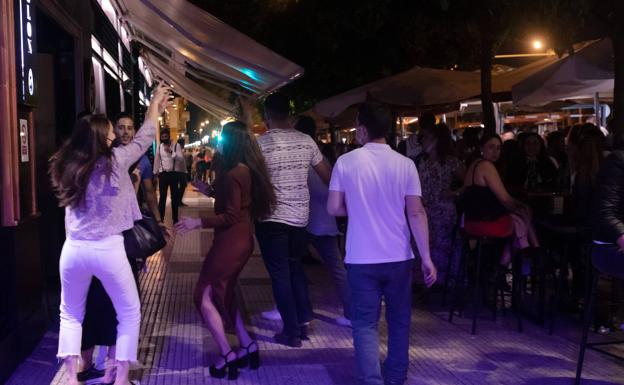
581,75
415,87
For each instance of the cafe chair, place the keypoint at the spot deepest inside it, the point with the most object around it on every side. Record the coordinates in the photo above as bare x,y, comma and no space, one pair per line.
606,261
479,257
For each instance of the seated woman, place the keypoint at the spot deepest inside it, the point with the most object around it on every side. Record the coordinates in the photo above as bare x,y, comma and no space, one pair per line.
488,208
533,168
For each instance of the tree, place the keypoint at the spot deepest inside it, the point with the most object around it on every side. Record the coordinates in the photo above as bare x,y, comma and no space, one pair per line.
344,44
487,24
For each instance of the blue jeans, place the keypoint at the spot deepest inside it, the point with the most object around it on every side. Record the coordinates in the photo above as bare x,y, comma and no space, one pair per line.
369,283
327,247
282,248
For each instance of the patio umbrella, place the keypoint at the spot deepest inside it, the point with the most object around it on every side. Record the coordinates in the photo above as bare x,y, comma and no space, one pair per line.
581,75
415,87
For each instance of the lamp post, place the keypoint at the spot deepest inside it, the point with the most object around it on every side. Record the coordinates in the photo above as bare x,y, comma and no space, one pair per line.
536,44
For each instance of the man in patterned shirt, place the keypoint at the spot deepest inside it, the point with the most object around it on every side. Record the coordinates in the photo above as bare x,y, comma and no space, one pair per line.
289,154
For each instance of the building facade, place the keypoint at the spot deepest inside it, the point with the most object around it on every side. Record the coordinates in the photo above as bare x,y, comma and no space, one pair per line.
57,59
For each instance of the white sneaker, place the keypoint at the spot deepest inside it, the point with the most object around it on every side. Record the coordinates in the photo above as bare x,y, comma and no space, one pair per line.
343,321
272,315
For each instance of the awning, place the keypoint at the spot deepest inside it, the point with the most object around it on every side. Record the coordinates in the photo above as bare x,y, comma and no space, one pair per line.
190,90
579,76
215,55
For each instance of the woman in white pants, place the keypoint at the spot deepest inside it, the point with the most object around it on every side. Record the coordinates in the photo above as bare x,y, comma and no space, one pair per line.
91,181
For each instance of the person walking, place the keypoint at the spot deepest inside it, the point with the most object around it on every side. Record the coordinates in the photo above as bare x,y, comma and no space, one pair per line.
183,175
167,160
243,193
91,181
322,228
375,187
282,236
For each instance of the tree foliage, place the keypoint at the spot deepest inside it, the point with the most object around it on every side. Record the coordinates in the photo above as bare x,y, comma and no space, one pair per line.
343,44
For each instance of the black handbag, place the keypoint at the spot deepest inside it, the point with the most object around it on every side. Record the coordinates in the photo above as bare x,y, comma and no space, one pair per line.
143,240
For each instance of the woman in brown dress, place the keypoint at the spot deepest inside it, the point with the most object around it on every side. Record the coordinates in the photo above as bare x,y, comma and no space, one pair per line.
243,193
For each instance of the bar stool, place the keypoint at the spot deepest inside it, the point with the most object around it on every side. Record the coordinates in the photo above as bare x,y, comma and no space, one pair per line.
482,241
606,260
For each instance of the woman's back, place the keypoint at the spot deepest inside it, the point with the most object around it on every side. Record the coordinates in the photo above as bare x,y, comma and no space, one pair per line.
479,202
109,206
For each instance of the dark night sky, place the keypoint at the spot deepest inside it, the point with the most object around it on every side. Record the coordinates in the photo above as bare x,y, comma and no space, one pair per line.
346,43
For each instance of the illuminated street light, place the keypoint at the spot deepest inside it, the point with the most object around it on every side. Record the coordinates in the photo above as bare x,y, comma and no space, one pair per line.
537,44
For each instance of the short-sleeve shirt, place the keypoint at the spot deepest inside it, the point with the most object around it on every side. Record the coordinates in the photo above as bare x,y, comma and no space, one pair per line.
375,181
145,168
289,154
321,223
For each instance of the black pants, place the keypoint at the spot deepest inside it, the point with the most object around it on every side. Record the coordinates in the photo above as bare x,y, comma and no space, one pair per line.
282,248
171,181
182,183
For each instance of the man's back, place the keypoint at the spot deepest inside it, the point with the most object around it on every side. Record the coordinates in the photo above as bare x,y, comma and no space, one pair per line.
289,155
375,180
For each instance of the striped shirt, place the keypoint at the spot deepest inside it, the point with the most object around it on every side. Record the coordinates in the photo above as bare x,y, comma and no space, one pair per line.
289,154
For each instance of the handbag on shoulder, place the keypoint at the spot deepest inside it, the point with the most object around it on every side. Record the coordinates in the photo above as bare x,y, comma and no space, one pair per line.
143,240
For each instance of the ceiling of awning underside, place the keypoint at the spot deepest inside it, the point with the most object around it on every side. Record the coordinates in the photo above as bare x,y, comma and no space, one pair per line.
189,43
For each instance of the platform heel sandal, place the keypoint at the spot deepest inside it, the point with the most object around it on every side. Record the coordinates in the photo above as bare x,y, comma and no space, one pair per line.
230,368
251,359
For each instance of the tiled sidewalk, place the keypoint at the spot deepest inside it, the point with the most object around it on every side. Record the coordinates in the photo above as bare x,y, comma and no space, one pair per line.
176,349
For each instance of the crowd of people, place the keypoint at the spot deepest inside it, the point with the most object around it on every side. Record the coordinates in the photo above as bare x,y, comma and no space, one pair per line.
287,190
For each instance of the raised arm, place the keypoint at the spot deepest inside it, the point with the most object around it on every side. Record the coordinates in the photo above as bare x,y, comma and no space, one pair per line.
130,153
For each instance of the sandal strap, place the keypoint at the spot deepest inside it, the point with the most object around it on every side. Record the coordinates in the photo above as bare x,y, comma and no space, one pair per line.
253,342
226,355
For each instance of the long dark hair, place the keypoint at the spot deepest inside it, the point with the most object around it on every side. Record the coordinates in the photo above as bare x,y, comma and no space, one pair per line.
71,166
591,146
444,142
240,146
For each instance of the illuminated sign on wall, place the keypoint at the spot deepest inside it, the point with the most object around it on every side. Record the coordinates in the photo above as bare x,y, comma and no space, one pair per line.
25,51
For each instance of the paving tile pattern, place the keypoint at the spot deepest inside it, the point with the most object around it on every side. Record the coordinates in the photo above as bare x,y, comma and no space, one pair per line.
176,349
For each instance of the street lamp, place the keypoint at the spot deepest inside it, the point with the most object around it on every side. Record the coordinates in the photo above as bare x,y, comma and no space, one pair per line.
537,44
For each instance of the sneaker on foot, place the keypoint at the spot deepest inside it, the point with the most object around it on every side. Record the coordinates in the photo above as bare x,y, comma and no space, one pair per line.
343,321
272,315
91,376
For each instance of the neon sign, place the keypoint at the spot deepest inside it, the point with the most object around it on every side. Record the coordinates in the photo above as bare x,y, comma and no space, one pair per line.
27,82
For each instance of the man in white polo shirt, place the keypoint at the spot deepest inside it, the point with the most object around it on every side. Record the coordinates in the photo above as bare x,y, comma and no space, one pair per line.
282,237
379,190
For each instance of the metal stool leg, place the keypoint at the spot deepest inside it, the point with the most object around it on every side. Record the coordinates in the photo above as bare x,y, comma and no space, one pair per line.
477,289
458,281
448,267
587,320
516,296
